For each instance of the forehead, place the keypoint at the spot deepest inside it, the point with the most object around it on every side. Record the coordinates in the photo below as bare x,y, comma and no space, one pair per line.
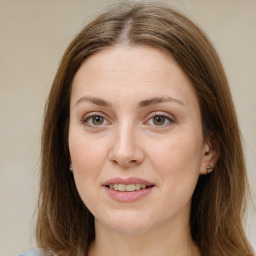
138,60
124,71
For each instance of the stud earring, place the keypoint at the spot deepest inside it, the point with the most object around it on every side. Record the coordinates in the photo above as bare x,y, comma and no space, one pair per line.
209,169
71,169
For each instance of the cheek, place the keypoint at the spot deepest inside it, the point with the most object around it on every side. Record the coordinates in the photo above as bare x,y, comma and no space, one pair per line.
86,165
87,158
177,161
87,155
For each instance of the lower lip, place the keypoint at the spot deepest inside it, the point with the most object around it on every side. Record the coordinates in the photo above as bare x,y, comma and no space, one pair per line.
126,197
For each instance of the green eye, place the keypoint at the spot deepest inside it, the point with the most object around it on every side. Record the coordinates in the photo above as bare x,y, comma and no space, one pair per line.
159,120
97,120
94,120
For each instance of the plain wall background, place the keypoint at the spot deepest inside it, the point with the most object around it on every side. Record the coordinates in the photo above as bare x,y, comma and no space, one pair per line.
33,37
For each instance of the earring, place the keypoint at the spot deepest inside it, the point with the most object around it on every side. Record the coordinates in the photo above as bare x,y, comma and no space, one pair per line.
71,169
209,169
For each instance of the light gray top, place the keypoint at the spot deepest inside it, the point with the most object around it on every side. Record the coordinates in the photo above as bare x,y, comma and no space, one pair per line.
34,252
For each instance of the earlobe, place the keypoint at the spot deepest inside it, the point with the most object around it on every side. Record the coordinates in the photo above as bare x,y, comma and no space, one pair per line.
210,156
209,169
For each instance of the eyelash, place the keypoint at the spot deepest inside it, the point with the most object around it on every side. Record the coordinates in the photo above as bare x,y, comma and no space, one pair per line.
86,118
163,115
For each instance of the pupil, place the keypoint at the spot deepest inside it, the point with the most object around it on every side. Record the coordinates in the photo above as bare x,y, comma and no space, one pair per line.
158,120
97,120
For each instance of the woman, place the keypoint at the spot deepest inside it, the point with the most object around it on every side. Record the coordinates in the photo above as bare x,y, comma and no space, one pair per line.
141,151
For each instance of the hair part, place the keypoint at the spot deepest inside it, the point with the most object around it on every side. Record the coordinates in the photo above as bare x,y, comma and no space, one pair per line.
65,226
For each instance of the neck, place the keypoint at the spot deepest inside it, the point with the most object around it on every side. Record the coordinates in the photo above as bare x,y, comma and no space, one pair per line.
165,241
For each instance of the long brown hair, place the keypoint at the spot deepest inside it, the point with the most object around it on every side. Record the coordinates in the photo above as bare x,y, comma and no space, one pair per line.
65,226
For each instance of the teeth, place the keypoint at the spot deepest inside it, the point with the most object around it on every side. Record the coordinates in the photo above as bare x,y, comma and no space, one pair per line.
121,187
129,187
143,186
137,186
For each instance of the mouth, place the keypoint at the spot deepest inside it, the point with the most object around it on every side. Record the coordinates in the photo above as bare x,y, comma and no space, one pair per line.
128,187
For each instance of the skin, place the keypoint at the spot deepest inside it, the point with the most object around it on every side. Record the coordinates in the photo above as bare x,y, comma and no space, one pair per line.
128,142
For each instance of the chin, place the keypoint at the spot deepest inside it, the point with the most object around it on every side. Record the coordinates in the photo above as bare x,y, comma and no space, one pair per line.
129,224
130,228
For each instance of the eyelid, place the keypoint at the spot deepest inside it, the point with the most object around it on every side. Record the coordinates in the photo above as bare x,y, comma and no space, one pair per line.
162,113
171,118
87,116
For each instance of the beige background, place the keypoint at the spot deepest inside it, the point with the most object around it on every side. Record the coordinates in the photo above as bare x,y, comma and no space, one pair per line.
33,36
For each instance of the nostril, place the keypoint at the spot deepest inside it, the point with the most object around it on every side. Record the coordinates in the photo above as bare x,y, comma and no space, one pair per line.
123,163
114,162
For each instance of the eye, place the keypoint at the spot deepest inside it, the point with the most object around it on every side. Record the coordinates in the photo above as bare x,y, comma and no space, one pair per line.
94,119
97,120
160,119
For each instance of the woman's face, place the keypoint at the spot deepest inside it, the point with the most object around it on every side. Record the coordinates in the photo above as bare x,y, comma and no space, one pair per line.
135,139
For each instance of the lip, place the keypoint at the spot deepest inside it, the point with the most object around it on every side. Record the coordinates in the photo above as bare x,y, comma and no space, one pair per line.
126,181
126,196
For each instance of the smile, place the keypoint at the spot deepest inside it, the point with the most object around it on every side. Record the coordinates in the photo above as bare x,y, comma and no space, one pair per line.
127,190
127,187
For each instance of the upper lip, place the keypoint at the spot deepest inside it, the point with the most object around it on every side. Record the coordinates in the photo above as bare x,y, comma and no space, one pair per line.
126,181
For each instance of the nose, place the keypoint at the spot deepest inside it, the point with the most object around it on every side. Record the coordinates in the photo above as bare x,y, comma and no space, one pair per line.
125,150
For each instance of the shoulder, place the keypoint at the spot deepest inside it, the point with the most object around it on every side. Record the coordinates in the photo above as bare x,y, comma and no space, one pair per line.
34,252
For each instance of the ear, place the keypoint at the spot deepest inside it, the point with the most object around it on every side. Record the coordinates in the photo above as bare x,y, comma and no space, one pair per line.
210,155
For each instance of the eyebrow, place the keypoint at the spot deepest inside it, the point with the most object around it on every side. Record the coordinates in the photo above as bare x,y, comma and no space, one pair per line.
96,101
144,103
158,100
